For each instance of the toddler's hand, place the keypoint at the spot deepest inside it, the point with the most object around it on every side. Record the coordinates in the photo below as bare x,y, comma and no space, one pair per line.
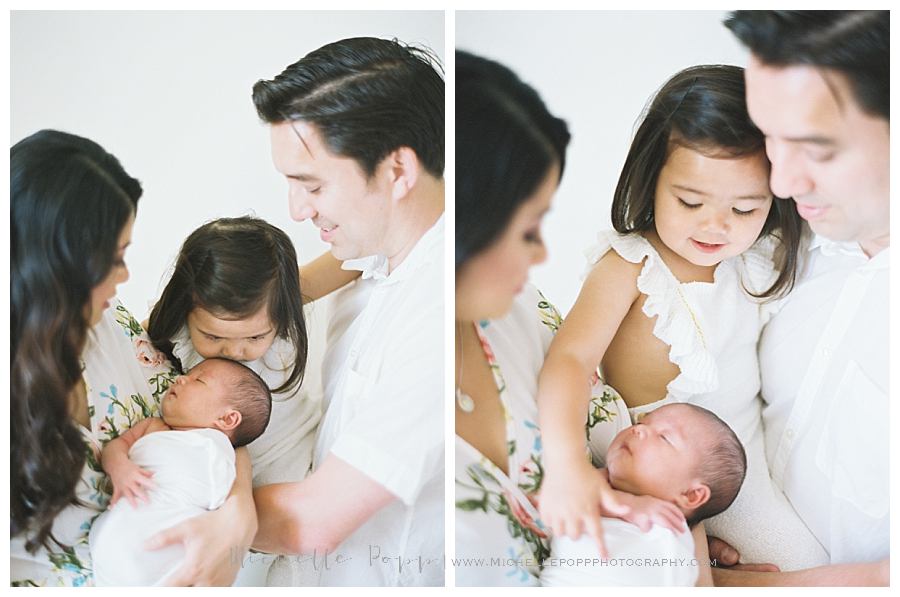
569,504
131,482
645,511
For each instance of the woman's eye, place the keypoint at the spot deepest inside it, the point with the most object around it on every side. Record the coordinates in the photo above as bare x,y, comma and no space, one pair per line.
689,205
533,236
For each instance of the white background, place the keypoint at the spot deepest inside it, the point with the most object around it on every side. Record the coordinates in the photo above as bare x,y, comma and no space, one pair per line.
596,70
169,94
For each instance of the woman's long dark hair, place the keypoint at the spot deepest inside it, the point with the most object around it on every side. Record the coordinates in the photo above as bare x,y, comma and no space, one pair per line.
704,109
233,267
506,142
70,200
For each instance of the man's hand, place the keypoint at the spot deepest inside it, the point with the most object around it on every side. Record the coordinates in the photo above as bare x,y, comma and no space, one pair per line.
726,556
214,546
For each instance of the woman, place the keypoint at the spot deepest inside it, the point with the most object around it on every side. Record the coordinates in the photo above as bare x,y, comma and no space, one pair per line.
510,157
83,369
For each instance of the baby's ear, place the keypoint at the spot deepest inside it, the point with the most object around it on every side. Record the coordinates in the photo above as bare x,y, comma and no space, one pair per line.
696,496
230,420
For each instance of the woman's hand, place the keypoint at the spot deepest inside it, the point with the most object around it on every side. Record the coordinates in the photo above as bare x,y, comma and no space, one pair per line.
214,543
573,502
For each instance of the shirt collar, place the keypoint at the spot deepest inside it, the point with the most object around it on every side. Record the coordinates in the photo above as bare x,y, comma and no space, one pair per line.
377,266
830,248
373,266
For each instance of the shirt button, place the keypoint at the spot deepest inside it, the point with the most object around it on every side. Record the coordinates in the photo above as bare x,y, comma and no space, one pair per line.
790,434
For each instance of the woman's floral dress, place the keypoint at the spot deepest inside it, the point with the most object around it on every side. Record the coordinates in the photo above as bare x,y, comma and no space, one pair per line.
126,379
499,537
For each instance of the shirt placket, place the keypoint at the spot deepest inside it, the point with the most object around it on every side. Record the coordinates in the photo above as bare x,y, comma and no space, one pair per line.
848,303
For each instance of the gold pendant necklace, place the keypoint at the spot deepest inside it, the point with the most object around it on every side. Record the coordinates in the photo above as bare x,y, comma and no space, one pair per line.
463,400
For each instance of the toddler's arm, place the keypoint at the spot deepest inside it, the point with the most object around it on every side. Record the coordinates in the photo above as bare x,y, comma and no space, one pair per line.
572,490
322,276
128,479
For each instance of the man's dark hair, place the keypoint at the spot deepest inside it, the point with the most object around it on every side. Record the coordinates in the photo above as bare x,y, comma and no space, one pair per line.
722,470
855,43
367,97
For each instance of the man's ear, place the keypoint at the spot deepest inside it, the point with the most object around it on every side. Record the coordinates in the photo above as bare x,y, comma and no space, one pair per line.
404,171
694,497
230,420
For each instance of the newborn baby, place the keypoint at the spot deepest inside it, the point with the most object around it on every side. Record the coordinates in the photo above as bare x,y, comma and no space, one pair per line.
173,468
680,453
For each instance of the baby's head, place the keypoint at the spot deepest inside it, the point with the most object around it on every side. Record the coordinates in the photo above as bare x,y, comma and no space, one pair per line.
683,454
219,394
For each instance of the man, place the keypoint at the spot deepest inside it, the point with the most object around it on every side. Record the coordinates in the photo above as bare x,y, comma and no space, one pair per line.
818,88
357,129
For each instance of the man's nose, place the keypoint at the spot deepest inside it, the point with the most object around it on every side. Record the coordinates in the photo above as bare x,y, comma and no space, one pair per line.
299,206
788,176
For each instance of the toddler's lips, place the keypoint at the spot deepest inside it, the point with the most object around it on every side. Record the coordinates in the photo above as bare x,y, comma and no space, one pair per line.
707,247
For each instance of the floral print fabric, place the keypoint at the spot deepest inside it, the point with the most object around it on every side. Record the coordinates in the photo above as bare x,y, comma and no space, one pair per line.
126,379
499,538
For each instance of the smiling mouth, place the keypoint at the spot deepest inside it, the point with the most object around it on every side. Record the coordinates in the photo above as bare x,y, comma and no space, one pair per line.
707,247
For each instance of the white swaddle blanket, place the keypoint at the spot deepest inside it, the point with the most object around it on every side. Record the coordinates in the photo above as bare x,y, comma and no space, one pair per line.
659,557
193,471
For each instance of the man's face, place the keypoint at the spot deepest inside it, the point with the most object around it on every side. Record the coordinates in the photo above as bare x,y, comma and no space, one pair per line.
827,154
351,211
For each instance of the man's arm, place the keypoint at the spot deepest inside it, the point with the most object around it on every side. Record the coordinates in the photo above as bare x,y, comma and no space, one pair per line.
322,276
318,513
847,575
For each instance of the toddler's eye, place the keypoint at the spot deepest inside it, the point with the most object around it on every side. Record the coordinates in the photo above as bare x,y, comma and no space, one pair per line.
689,205
741,212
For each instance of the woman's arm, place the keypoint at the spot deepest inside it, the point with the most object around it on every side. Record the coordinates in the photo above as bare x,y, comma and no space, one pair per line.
322,276
572,489
215,543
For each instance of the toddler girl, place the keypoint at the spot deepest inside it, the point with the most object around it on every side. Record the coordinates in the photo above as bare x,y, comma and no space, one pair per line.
671,307
235,293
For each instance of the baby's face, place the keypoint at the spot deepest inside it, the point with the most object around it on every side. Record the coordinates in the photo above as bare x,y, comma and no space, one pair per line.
659,456
197,398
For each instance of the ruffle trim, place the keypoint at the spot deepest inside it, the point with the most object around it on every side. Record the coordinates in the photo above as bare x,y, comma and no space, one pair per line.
675,322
